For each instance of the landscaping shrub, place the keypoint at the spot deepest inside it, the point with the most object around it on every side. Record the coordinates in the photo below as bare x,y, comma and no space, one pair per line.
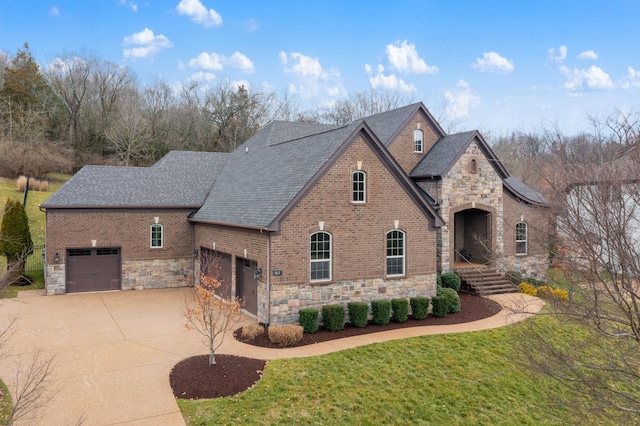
450,280
381,311
419,307
440,307
533,281
514,276
358,312
333,317
527,288
309,320
545,292
285,335
251,331
399,309
452,299
561,294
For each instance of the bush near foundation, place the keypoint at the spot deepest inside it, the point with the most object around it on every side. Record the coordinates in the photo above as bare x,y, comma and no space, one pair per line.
333,317
440,307
528,288
452,299
381,311
251,331
309,320
285,335
419,307
399,309
450,280
358,313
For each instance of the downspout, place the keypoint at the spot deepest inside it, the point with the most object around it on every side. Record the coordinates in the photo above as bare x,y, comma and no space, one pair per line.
268,279
193,257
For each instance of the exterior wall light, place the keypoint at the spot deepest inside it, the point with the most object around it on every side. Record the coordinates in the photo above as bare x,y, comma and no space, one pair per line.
257,273
56,258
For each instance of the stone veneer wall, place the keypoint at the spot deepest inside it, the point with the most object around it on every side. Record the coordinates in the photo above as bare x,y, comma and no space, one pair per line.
461,187
535,266
136,275
288,299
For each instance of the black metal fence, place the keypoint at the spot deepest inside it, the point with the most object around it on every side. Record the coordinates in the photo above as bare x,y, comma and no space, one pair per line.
34,263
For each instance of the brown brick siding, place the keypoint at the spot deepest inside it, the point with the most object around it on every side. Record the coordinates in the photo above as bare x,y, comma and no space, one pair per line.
402,147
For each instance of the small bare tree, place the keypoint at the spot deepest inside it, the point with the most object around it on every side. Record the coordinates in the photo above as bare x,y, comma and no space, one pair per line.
211,315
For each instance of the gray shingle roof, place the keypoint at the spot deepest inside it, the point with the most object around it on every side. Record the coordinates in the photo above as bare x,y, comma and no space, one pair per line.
521,188
180,179
264,174
443,155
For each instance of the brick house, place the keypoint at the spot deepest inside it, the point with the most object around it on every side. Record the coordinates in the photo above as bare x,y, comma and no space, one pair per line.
300,215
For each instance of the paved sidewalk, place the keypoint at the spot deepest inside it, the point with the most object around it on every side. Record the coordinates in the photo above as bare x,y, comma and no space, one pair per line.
114,351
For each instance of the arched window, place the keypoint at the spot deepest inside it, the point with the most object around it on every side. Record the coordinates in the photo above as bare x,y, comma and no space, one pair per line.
320,256
395,253
521,238
417,140
156,236
359,187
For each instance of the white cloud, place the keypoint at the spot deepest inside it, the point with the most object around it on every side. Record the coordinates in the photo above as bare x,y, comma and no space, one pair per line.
145,43
203,77
251,25
593,77
311,79
130,4
199,13
632,79
215,62
460,101
588,54
491,61
558,55
404,58
390,82
54,11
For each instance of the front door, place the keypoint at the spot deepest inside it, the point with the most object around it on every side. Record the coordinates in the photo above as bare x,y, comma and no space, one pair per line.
247,284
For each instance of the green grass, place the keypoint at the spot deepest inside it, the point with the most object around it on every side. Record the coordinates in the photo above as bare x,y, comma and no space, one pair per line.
5,403
445,379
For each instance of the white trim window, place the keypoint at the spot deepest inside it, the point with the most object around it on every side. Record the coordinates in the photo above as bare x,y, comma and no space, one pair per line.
359,179
320,256
395,253
157,237
522,237
418,138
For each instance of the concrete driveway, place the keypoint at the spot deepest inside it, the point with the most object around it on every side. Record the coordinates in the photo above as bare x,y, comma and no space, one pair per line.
113,353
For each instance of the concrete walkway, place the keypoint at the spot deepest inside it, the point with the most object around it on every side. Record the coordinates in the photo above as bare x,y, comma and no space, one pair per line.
114,351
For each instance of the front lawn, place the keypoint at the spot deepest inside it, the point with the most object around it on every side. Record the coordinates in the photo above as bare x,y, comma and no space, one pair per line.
445,379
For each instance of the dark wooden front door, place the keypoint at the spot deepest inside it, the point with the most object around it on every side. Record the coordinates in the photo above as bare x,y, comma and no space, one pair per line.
95,269
247,284
215,264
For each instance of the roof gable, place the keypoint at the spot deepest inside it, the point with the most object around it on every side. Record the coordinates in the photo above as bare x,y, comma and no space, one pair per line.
387,125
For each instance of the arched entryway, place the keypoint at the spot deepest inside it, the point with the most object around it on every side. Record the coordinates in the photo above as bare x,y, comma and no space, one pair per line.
473,236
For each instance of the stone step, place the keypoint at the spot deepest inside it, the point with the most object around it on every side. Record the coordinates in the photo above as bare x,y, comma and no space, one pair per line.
485,281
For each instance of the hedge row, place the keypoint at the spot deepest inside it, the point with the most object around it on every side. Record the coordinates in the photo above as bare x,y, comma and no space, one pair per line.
382,312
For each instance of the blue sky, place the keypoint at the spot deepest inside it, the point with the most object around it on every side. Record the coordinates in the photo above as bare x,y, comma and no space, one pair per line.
493,65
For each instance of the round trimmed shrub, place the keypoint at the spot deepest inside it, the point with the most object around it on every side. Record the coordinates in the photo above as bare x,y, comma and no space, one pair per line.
333,317
419,307
309,320
450,280
358,312
440,307
527,288
399,309
381,311
452,299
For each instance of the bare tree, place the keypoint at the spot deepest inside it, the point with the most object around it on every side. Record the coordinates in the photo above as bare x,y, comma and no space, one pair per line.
210,314
591,343
360,105
129,135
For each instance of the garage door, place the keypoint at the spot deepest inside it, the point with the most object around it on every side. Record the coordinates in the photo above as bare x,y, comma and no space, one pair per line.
96,269
215,264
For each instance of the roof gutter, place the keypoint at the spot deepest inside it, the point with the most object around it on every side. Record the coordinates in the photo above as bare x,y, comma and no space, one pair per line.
232,225
118,207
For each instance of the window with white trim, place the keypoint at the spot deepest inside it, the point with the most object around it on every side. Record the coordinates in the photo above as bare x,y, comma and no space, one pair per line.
320,256
359,187
156,236
417,140
521,238
395,252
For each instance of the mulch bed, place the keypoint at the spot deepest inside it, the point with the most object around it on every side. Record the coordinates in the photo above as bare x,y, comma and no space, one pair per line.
192,378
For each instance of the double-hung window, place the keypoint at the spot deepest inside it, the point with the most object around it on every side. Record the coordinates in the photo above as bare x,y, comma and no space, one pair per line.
395,253
417,140
521,238
359,187
156,236
321,256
